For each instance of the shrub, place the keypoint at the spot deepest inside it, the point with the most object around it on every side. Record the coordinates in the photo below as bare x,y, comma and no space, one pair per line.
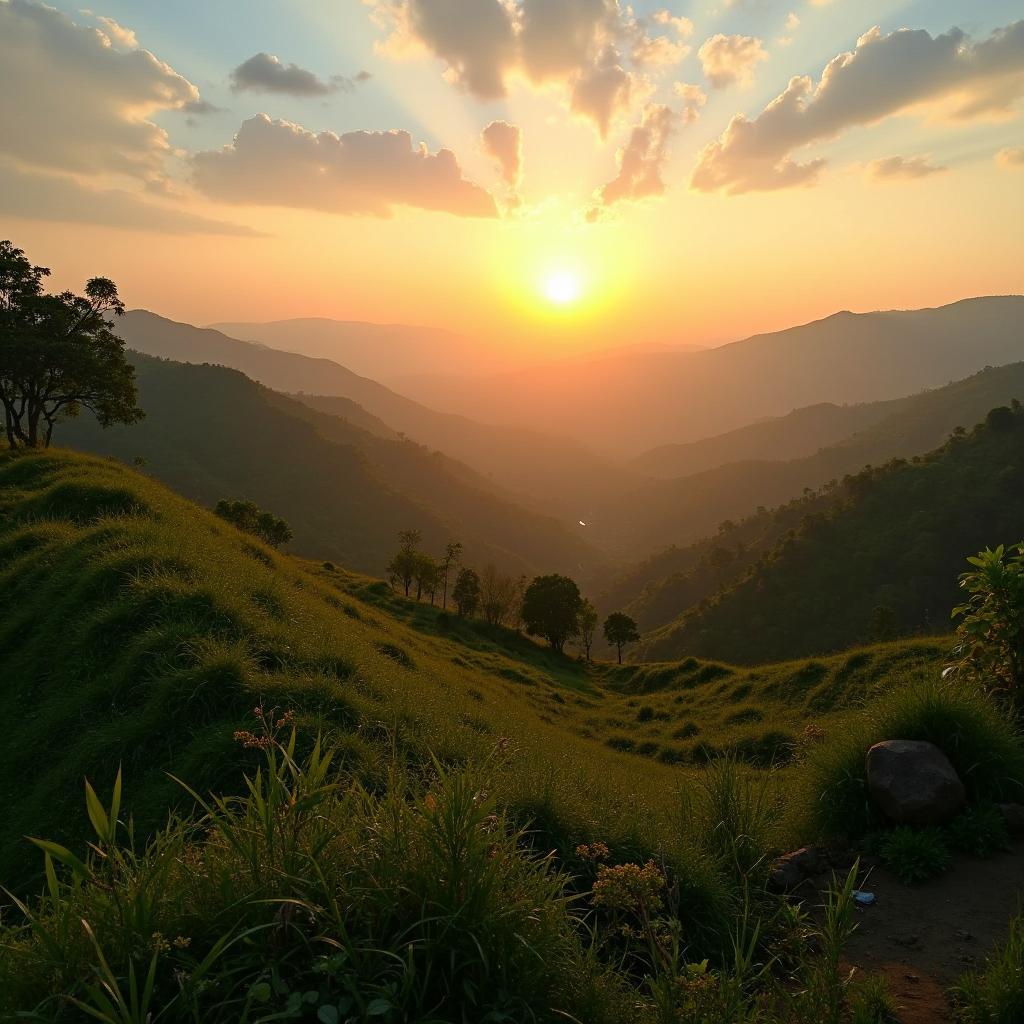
968,725
995,995
914,854
980,830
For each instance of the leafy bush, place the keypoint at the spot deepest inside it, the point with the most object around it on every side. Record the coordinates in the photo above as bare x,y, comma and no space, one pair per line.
970,727
914,854
995,995
990,637
980,830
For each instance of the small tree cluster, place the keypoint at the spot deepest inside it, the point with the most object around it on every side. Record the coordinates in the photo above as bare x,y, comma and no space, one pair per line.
412,569
248,516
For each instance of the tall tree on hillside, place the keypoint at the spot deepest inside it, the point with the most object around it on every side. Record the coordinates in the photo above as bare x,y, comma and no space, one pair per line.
426,573
466,593
588,625
497,593
402,568
452,554
551,609
59,354
619,630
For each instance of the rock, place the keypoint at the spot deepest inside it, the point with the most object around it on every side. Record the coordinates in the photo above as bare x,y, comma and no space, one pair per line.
913,783
793,868
1013,815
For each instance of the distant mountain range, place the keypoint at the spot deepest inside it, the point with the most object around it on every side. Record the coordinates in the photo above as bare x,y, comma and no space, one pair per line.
385,352
631,402
553,474
212,433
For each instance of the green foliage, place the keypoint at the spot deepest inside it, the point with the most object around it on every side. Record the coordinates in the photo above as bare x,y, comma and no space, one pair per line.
965,723
980,831
995,994
551,609
619,630
250,518
59,354
587,627
308,897
914,854
990,636
891,536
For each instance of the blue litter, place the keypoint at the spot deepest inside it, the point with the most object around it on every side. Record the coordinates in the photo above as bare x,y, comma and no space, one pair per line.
863,899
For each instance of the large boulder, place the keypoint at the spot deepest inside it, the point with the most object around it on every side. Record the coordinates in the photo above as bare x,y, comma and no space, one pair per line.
913,783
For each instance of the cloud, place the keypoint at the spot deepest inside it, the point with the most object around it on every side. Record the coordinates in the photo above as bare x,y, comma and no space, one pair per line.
640,161
597,50
730,60
603,91
693,97
118,33
792,21
1012,156
884,75
898,168
54,197
263,72
502,142
71,101
282,164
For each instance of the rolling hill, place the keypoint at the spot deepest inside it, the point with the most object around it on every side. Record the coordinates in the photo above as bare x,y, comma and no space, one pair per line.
555,475
632,402
680,511
212,433
140,629
888,549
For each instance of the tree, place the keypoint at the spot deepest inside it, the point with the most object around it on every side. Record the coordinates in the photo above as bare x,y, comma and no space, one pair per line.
426,573
619,630
452,554
588,624
551,609
497,594
59,354
402,568
248,516
466,593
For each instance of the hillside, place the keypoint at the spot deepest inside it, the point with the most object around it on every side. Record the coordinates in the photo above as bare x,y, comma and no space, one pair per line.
895,541
679,511
557,475
212,433
633,402
384,352
140,629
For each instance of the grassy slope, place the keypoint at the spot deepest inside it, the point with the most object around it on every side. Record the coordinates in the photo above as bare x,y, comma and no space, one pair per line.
138,628
212,433
899,539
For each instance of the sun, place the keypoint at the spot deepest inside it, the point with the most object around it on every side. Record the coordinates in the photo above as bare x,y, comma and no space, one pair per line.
563,287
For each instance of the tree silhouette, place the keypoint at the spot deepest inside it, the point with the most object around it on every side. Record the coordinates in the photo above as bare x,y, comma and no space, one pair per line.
551,609
59,354
402,568
588,624
452,554
619,630
466,593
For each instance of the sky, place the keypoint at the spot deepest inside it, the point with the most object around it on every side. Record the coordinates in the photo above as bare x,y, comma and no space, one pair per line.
544,175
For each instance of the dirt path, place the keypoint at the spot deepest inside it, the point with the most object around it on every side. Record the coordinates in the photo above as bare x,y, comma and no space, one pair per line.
924,938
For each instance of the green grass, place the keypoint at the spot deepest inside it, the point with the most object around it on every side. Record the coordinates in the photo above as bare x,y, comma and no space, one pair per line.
995,994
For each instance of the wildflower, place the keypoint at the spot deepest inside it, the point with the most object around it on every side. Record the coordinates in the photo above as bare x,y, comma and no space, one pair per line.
629,887
594,851
813,733
182,942
430,802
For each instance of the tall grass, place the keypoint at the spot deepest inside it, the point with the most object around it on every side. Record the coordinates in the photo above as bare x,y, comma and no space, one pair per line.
995,994
974,731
